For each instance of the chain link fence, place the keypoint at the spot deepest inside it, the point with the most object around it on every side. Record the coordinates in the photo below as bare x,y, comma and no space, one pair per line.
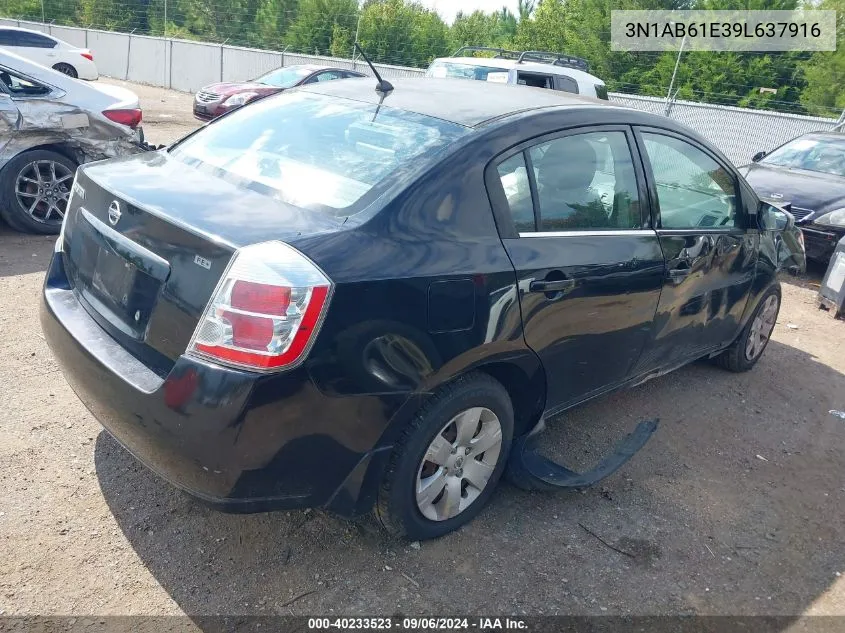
188,65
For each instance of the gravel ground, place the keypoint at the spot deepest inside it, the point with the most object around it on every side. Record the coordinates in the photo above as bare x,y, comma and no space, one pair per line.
734,507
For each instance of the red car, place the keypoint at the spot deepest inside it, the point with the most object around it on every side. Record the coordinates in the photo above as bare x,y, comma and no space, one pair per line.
216,99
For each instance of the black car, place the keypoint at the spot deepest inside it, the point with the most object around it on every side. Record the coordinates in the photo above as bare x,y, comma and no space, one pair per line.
353,299
807,173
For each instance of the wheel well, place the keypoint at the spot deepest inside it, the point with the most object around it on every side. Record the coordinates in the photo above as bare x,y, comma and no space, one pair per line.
527,395
66,150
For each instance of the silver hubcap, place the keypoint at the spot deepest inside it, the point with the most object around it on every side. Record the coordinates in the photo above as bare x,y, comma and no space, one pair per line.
761,328
42,189
458,464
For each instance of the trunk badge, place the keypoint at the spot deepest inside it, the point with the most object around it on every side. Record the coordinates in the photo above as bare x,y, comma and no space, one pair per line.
776,196
202,261
114,212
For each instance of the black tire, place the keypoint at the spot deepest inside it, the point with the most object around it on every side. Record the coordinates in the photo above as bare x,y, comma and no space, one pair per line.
66,69
735,357
396,507
11,209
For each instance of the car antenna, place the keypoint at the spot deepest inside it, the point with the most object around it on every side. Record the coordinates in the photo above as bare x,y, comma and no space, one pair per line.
384,87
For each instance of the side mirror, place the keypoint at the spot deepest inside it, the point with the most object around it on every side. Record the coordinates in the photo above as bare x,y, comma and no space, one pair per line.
770,218
758,157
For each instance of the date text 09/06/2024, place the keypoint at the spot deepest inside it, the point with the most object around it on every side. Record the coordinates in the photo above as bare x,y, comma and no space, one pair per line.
418,624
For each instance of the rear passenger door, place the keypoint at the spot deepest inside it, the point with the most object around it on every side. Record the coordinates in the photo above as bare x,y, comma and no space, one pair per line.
9,113
39,48
710,258
588,264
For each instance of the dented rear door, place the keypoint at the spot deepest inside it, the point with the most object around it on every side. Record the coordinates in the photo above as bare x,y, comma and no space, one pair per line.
9,119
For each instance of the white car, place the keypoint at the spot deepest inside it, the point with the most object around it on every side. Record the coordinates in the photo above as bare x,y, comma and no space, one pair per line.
48,51
539,69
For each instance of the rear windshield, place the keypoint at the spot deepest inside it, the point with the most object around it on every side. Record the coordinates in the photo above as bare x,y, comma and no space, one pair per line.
315,151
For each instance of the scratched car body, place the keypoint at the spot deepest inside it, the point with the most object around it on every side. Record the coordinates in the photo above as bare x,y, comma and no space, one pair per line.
365,299
49,124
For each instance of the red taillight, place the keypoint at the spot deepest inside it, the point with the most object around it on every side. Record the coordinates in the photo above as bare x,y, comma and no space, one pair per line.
266,311
88,56
262,298
130,117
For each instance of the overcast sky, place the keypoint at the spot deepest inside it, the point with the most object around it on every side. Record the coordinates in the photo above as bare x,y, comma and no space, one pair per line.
448,8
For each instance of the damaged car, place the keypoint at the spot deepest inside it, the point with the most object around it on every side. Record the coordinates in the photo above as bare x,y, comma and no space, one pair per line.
363,299
49,124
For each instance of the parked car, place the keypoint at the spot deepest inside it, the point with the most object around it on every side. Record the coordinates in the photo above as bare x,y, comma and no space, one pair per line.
218,98
49,124
49,51
539,69
353,299
808,173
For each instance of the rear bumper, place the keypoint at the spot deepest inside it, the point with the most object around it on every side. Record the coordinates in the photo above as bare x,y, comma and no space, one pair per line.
236,440
86,69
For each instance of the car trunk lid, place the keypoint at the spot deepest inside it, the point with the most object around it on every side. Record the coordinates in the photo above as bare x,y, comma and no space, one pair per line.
147,271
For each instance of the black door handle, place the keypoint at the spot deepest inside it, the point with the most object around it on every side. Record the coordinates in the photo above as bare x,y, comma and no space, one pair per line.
554,285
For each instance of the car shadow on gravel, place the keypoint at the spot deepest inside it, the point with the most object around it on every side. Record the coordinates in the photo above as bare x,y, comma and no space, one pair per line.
734,507
21,254
810,278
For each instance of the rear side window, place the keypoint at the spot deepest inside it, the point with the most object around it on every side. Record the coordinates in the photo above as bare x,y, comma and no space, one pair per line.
19,86
601,91
315,151
330,75
514,176
34,40
693,190
567,84
584,182
535,80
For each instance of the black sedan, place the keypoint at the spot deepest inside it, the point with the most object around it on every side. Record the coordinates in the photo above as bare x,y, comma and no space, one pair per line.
356,300
807,173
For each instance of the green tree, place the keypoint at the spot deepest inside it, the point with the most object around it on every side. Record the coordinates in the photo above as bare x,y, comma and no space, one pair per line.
272,19
404,33
824,92
112,15
315,25
484,29
525,8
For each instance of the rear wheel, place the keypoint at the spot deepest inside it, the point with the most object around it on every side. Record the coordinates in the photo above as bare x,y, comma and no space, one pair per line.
446,465
744,353
66,69
34,191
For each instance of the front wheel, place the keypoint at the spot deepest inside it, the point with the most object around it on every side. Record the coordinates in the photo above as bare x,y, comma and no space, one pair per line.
744,353
448,461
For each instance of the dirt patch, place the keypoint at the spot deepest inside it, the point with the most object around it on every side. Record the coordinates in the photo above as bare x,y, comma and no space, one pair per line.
734,507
